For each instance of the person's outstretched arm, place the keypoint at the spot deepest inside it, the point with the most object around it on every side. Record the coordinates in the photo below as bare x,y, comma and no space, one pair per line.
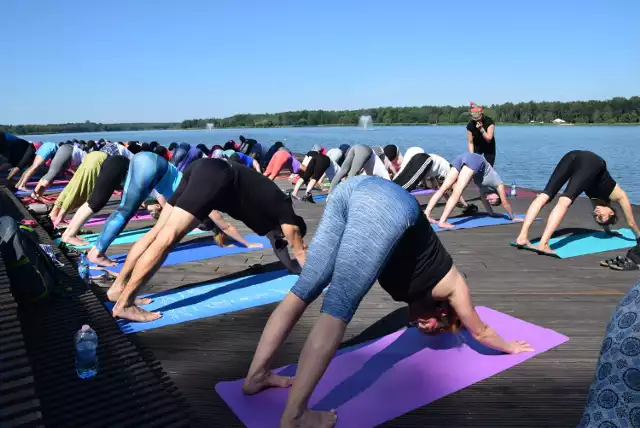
230,230
256,166
620,196
505,202
470,141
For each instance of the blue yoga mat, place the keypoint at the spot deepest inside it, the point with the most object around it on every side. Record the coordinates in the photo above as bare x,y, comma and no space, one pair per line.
481,220
322,197
125,237
191,252
586,243
207,300
54,188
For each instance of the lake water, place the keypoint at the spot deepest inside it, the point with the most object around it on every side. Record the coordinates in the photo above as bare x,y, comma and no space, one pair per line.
526,154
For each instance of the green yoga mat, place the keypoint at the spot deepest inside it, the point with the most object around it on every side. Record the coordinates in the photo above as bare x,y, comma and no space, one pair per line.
586,243
126,237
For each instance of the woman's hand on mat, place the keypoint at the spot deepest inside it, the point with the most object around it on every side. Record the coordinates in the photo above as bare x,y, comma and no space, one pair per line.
432,220
518,219
519,346
254,245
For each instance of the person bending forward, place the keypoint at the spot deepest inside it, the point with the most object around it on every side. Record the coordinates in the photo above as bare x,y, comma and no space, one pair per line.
241,192
585,172
371,229
464,168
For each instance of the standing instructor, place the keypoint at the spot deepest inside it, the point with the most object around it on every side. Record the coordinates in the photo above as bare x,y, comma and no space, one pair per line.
480,134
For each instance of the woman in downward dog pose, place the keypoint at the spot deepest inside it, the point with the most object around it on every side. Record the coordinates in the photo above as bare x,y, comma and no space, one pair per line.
466,167
45,152
585,172
360,158
371,229
68,157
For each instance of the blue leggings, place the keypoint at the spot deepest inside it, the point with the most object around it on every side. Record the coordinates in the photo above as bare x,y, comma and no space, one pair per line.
614,396
146,169
363,221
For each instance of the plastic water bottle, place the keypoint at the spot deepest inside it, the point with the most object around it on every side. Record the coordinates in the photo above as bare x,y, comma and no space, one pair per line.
86,357
83,268
514,191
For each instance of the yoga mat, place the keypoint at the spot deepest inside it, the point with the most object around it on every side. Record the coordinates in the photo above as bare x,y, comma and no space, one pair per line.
102,218
35,183
586,243
216,298
423,192
480,220
373,383
191,252
125,237
54,188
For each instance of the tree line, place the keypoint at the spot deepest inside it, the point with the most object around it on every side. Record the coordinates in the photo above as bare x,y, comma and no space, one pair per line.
613,111
86,126
616,110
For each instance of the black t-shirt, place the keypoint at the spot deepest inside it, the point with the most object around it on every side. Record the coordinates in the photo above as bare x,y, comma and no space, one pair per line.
480,145
416,265
250,197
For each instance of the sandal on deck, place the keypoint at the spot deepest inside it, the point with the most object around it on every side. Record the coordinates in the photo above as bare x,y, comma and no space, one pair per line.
627,264
609,262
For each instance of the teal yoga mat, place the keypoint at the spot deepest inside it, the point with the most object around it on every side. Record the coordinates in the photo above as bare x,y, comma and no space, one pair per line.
586,243
126,237
211,299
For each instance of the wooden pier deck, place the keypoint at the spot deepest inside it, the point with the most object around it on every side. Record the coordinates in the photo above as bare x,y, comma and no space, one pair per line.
573,296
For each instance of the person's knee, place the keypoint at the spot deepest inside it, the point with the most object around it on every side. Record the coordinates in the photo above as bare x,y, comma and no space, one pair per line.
337,308
565,201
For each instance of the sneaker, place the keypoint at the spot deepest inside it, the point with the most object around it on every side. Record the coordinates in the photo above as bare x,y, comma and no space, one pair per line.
308,198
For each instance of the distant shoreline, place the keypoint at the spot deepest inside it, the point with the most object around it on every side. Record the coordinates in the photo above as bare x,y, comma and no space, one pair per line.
340,126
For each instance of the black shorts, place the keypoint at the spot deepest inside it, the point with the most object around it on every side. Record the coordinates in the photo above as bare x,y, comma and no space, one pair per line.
583,171
112,174
414,172
317,167
204,182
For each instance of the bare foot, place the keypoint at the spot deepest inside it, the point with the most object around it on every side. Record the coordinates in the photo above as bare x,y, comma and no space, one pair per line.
311,419
254,384
100,259
432,220
524,242
254,245
134,313
114,292
545,248
74,240
445,225
23,188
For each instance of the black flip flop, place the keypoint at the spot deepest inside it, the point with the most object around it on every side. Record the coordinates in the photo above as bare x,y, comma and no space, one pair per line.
627,264
609,262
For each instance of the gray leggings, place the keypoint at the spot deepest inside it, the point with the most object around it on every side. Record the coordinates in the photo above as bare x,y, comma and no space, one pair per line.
354,161
60,160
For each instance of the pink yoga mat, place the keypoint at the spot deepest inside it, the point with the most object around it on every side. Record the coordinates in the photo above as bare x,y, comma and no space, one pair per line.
102,218
373,383
35,183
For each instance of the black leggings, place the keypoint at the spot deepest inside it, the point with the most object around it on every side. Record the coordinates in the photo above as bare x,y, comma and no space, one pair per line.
279,245
114,171
414,172
581,169
318,165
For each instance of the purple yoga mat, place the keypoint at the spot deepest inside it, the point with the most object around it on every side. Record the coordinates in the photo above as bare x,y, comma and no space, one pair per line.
372,383
423,192
102,218
35,183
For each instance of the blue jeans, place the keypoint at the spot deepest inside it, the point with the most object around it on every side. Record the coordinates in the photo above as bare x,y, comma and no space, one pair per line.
146,169
614,396
363,221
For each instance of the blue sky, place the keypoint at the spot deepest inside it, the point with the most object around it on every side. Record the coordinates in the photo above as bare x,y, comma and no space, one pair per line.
132,61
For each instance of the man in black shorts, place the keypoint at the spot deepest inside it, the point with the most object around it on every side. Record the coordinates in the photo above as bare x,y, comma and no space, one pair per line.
585,172
208,187
480,134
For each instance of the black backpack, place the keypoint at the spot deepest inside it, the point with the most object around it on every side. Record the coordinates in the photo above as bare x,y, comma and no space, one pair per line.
32,274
